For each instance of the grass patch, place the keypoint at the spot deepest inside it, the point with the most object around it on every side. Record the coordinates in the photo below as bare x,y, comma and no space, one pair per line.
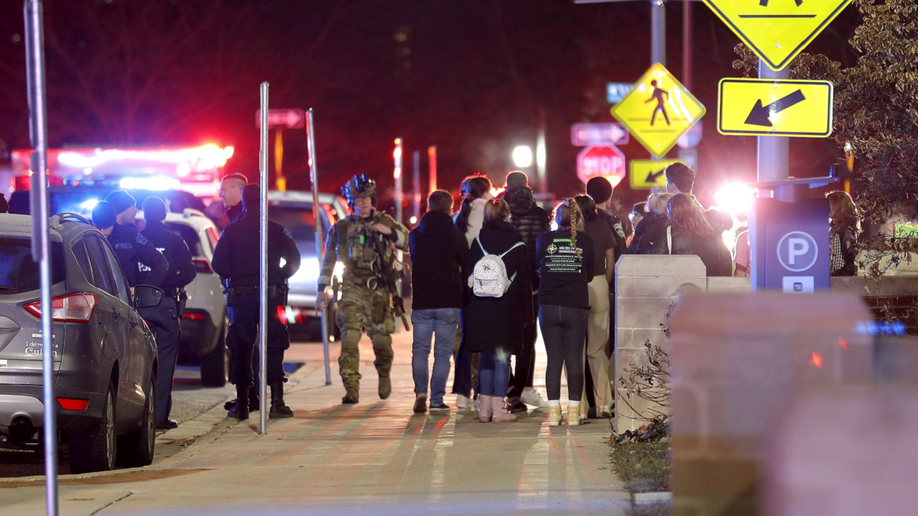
643,467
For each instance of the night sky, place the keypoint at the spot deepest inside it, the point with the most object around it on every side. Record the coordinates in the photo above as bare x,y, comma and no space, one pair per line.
469,76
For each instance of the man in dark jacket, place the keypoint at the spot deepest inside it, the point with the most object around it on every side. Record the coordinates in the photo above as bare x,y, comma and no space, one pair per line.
236,260
132,249
439,258
231,192
181,272
530,221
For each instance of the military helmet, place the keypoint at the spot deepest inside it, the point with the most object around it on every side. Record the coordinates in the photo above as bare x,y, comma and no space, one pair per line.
359,186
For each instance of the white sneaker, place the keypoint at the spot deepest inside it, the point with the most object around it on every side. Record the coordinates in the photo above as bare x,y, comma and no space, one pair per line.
463,402
532,397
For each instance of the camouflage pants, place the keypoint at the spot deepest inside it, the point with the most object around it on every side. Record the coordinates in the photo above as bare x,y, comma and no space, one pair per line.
363,309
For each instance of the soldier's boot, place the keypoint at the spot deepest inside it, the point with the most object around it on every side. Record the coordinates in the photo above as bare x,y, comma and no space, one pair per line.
253,401
349,365
382,347
240,411
278,408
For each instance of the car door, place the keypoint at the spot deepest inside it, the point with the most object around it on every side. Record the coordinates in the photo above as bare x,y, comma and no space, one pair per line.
124,318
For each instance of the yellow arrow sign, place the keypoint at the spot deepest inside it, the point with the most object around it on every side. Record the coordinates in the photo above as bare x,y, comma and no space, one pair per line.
646,174
774,107
777,30
658,110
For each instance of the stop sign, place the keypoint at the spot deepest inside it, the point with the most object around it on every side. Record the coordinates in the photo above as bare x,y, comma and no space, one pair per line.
601,160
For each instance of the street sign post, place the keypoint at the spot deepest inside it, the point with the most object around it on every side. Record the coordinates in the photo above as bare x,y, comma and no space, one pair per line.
603,160
658,110
647,174
777,30
774,107
294,118
598,134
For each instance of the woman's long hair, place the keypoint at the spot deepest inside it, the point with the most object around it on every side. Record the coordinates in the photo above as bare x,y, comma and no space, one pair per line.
587,207
685,214
842,211
473,187
568,215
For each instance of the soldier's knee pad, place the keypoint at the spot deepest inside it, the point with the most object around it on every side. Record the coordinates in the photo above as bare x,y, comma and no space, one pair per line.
382,341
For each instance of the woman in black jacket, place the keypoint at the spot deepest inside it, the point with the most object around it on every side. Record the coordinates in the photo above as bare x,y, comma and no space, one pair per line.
566,265
690,233
844,227
651,226
493,326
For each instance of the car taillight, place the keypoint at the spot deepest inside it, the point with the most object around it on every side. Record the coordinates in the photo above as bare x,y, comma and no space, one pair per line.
202,265
73,404
194,316
69,308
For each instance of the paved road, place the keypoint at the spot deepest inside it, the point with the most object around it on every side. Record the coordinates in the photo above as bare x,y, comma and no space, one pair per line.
376,457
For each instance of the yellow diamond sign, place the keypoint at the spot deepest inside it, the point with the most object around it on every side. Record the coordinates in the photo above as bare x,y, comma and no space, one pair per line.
768,107
777,30
658,110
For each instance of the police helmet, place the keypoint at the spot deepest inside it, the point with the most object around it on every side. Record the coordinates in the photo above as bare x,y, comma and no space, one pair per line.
359,186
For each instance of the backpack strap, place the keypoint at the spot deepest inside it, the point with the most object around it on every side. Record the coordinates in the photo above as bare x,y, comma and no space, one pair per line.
508,250
484,253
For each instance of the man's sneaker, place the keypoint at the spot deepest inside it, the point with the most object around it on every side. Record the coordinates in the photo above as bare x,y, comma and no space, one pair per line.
464,402
420,404
516,405
532,397
439,407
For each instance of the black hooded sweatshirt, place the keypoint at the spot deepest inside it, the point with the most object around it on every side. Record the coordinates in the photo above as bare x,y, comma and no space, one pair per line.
529,220
439,262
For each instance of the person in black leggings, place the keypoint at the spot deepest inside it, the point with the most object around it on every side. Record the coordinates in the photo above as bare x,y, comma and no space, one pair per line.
566,260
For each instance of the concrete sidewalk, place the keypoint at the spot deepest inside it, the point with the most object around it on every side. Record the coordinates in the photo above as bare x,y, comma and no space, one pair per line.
376,457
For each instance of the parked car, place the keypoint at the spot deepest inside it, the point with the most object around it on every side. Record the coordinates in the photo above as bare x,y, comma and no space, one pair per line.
105,358
293,210
205,321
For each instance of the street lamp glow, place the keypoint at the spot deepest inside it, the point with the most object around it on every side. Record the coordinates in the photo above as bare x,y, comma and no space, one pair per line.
522,156
735,198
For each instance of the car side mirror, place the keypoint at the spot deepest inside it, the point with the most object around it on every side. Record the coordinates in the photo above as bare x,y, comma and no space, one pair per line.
146,296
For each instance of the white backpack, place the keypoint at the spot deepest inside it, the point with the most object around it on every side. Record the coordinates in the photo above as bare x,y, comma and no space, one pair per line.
489,277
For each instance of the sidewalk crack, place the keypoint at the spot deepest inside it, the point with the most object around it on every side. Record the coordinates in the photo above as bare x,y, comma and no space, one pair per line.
113,502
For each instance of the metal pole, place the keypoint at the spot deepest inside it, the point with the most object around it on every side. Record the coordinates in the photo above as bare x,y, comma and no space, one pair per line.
432,163
320,247
416,185
658,32
263,267
397,173
687,44
38,125
772,164
541,154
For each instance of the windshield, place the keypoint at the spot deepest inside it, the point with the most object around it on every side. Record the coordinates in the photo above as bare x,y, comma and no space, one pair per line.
298,220
18,272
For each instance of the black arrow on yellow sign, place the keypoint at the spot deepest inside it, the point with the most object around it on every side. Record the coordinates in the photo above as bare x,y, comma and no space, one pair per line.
764,3
652,177
760,114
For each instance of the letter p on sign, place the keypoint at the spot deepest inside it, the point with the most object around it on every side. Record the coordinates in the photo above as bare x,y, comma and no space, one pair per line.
796,248
797,251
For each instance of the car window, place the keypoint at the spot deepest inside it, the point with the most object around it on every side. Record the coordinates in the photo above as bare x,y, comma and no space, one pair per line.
19,273
189,235
82,257
120,281
101,273
299,221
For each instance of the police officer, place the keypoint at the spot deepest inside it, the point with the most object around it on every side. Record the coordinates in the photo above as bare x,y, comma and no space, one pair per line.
168,334
231,192
236,261
363,243
132,249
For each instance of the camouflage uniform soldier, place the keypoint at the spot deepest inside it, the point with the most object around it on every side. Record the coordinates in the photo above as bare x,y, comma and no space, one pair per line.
364,242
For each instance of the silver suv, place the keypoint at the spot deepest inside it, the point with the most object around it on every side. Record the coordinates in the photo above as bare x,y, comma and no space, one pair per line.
105,359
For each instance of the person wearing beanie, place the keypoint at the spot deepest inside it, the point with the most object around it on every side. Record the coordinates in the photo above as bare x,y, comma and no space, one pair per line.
125,207
600,190
167,328
104,217
236,260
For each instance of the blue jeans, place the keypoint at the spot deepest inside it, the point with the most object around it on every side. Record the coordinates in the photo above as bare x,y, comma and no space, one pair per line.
494,373
441,324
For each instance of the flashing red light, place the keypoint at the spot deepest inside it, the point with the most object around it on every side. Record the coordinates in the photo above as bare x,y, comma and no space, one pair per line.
69,308
816,360
201,265
842,342
23,183
73,404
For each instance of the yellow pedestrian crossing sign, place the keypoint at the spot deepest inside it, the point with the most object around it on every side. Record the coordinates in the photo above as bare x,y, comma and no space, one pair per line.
658,110
768,107
647,174
777,30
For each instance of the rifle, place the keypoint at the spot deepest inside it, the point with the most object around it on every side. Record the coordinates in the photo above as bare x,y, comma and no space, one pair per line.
388,277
